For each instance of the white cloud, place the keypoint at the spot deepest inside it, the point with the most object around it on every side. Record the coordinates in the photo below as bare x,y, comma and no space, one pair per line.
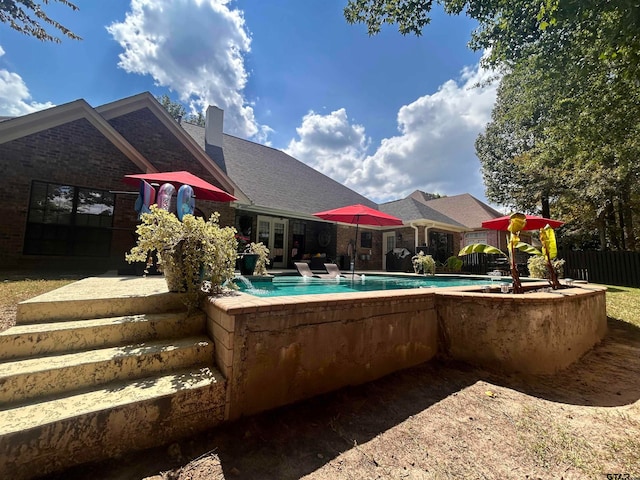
330,144
195,48
15,99
434,151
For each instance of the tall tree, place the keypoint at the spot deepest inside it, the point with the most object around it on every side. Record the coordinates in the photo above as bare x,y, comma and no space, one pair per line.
507,148
175,109
29,17
570,136
179,112
511,28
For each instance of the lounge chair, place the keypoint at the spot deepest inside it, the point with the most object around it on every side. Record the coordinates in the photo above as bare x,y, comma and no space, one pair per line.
305,271
334,270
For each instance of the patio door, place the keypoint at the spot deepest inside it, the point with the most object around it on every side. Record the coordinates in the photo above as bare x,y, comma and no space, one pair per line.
388,244
273,232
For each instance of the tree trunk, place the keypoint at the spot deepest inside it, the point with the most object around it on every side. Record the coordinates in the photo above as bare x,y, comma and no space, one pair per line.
546,210
611,226
628,219
623,245
602,231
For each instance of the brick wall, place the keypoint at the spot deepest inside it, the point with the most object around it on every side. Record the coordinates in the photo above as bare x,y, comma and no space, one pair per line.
72,154
77,154
158,145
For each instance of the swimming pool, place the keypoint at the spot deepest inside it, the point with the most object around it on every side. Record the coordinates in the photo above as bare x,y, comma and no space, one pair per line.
297,285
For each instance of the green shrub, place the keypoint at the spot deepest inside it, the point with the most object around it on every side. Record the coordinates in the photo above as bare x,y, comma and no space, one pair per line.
454,264
538,267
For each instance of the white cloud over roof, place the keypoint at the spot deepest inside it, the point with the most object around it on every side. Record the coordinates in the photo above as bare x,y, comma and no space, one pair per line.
434,150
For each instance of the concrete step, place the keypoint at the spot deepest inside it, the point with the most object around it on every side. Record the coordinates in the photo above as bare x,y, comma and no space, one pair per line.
44,437
26,379
22,341
99,297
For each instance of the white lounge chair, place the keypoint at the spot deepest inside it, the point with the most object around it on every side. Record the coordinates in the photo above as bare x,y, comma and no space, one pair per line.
305,271
334,270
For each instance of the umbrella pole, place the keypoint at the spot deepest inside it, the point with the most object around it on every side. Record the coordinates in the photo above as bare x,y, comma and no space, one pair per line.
355,255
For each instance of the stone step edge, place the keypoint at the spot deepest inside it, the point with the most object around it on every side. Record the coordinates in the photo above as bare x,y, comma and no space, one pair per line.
115,394
50,375
35,310
92,426
22,341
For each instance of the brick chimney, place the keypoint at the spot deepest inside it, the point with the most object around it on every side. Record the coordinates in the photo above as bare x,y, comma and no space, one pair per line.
213,126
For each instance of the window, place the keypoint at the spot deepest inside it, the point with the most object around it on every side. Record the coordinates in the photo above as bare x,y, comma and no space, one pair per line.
366,239
67,220
441,245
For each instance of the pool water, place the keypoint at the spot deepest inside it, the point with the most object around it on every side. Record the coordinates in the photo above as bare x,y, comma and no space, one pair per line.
296,285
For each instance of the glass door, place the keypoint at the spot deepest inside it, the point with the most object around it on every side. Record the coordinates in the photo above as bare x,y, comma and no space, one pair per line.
273,232
388,244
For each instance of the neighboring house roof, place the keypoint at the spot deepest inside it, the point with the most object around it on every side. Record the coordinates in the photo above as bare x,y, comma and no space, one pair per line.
464,209
274,181
413,211
423,196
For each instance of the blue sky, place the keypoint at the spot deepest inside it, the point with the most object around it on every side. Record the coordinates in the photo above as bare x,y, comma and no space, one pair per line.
384,115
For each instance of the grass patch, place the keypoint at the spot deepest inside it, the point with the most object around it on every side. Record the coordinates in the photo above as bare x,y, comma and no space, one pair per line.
13,292
623,303
550,442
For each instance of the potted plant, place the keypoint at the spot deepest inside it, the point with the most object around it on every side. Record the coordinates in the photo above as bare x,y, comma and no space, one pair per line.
254,259
189,252
424,263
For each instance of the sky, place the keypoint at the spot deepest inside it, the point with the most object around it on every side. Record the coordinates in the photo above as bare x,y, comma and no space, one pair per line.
384,115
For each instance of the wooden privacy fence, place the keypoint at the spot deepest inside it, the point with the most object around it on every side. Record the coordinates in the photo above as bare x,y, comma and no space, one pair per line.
611,268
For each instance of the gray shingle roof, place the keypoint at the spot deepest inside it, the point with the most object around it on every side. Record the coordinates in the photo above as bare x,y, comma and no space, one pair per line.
465,209
272,179
409,209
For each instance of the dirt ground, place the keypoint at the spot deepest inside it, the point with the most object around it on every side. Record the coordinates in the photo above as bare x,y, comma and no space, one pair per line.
439,420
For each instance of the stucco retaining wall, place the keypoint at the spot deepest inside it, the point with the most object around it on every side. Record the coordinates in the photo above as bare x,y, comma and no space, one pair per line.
277,351
529,333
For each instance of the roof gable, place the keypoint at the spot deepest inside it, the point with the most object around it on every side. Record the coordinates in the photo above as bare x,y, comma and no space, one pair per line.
413,211
146,101
465,209
25,125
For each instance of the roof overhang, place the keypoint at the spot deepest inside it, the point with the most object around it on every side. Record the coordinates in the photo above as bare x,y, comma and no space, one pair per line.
422,222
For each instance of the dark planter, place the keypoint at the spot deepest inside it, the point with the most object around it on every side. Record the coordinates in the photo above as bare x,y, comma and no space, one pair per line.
247,263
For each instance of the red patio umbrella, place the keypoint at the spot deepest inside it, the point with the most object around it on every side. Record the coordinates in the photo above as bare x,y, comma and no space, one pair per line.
533,223
359,215
203,190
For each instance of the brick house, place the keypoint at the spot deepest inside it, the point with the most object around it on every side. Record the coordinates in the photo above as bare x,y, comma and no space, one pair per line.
64,202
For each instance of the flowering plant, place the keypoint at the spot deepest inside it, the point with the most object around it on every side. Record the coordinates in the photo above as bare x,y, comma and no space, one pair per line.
262,251
189,252
423,262
243,242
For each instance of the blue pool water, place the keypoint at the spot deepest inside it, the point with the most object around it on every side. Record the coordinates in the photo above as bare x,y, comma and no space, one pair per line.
295,285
